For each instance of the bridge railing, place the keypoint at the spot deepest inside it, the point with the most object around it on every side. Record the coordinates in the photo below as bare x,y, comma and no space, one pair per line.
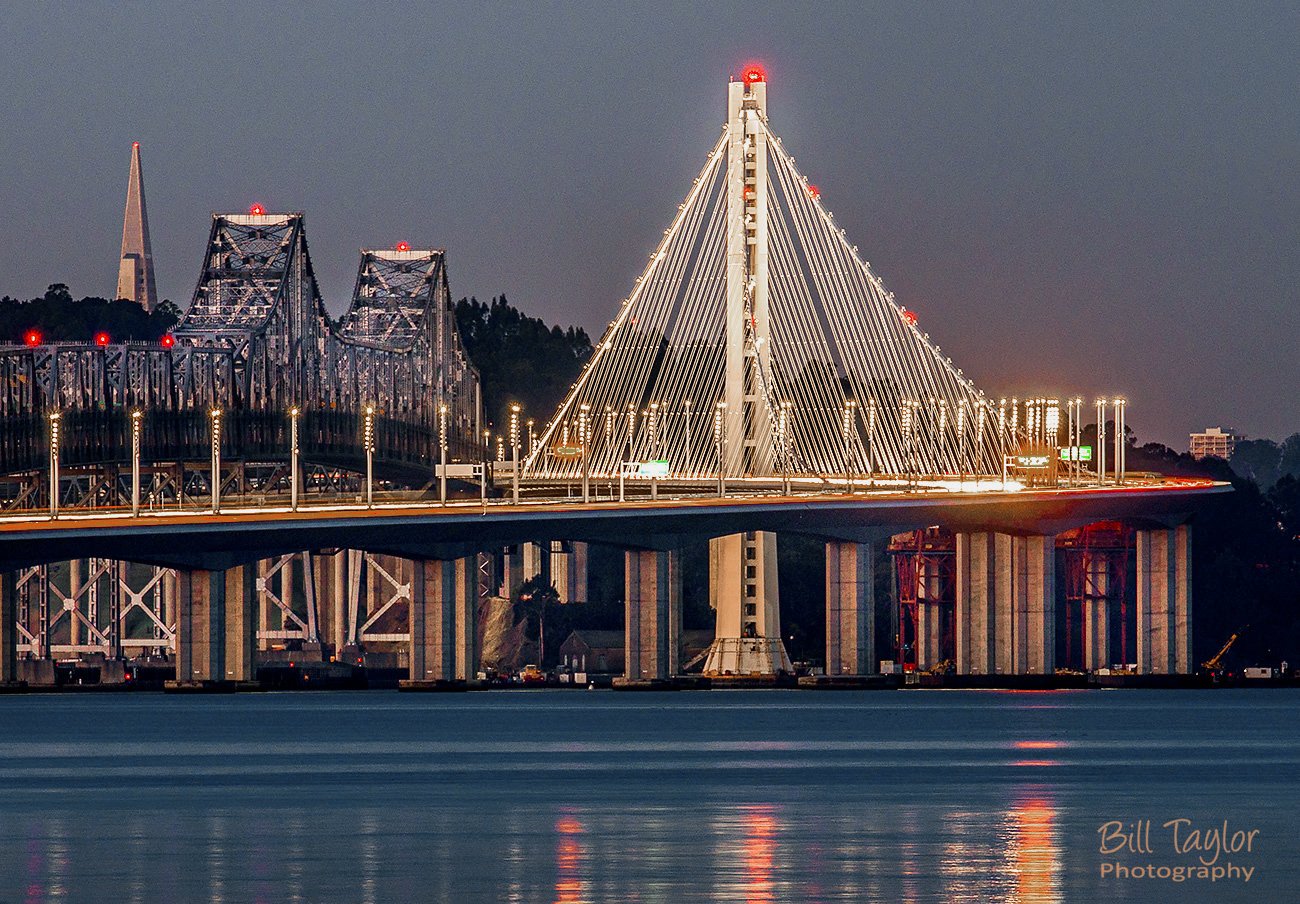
103,438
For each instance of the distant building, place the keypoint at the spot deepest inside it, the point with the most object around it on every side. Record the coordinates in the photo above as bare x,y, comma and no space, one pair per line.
135,268
604,652
1214,441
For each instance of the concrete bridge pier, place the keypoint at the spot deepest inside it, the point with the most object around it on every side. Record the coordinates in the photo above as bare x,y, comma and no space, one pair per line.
653,583
1164,601
443,593
850,609
1006,604
8,627
215,624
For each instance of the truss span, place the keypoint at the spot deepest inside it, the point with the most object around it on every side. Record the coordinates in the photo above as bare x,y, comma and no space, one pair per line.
256,340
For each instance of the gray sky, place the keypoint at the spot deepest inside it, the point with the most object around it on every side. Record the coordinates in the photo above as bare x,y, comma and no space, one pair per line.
1075,198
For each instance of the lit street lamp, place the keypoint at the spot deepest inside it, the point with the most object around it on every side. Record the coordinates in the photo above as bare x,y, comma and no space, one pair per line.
442,454
215,416
293,458
136,417
514,451
54,464
720,440
368,437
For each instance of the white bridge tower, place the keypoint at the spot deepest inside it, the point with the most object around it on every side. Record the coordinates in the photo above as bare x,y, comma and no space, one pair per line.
742,567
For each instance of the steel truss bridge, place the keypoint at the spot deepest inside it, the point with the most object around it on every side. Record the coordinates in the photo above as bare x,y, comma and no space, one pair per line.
253,380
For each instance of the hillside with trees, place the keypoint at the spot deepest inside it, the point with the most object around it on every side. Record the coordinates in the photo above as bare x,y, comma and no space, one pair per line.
520,359
58,318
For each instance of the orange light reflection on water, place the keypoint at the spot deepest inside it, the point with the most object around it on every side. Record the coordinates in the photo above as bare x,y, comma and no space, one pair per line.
760,848
1036,853
569,854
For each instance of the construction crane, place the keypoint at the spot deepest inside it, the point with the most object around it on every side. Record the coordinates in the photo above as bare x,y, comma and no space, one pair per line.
1215,664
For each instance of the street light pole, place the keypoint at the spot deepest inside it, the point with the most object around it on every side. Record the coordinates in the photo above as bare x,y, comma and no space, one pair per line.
215,415
54,465
785,448
369,440
871,441
514,451
293,458
719,440
584,411
849,407
687,458
1120,440
1101,442
135,462
442,454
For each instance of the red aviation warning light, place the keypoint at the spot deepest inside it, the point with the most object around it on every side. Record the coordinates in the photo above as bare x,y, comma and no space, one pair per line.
32,338
909,316
168,340
814,191
102,338
753,74
402,246
257,210
135,144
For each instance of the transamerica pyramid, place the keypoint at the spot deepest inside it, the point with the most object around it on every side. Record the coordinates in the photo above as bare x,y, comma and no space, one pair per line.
135,269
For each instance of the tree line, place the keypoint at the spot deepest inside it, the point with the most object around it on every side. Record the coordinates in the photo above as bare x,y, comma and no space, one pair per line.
56,317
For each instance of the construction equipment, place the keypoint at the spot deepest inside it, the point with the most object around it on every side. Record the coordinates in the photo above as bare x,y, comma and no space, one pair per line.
947,667
1215,664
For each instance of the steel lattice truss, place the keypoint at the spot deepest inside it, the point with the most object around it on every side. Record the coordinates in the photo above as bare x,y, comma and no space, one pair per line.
256,337
847,383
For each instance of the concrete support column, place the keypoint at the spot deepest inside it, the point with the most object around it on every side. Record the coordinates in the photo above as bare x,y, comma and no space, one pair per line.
1035,605
1006,604
1183,599
653,583
465,618
8,627
1164,601
215,612
194,647
850,609
433,588
240,589
569,570
976,593
1096,612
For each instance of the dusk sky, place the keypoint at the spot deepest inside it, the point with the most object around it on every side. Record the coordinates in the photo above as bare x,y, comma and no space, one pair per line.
1083,198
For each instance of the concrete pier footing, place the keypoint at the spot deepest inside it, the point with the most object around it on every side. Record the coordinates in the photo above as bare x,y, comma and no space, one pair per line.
8,627
215,625
1164,601
1006,604
653,582
850,609
442,607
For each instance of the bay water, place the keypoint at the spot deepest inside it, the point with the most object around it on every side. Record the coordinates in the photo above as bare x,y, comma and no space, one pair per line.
596,796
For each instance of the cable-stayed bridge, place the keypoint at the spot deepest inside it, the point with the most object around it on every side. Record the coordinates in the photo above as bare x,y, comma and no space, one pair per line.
758,353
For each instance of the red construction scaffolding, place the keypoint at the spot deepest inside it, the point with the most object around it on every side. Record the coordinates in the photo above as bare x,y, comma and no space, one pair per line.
1099,550
925,568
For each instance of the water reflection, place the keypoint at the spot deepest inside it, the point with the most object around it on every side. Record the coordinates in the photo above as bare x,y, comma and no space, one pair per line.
760,846
1037,853
927,800
568,861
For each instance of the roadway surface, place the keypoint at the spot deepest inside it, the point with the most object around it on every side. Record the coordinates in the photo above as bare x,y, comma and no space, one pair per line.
239,535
